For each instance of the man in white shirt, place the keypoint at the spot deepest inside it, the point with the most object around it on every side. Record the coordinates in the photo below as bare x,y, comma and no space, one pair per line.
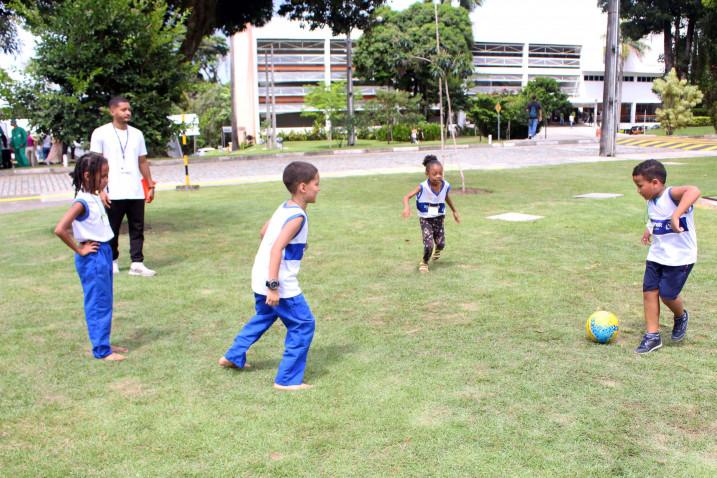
126,152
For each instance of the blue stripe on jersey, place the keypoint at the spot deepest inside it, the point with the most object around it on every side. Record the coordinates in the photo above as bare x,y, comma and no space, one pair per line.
85,214
303,221
294,252
662,227
423,206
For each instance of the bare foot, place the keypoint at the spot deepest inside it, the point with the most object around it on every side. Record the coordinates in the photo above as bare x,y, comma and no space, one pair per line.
118,349
229,364
291,388
113,357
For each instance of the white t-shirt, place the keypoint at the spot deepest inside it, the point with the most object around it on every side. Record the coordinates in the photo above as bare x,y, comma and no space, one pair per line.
122,148
671,248
93,224
290,257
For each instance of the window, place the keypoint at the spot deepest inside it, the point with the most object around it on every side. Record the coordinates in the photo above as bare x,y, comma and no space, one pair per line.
593,77
646,79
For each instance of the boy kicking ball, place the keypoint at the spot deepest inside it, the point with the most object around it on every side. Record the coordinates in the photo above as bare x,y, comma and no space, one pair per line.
673,249
275,284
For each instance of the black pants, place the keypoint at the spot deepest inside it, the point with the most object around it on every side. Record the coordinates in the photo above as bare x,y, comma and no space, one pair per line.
134,210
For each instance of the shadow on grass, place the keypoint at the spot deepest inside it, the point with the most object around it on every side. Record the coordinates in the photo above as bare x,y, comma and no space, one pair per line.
320,361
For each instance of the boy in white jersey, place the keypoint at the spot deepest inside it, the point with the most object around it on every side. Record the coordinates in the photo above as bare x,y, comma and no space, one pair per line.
673,249
275,284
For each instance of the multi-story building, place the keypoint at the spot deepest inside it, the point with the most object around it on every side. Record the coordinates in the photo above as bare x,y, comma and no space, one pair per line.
515,41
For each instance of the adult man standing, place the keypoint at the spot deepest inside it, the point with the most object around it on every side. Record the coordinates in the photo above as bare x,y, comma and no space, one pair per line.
535,114
18,141
126,152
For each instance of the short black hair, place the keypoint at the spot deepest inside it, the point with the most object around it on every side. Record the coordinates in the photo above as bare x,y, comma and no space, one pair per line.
92,164
430,160
298,172
651,169
115,100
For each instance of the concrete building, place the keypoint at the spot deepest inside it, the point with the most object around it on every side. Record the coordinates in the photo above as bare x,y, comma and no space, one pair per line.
515,41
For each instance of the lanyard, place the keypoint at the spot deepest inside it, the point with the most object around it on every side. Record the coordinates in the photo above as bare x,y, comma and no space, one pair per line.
122,148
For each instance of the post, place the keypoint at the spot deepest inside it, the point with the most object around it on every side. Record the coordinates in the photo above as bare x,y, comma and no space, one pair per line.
273,101
440,82
232,50
267,109
498,125
186,186
350,137
608,132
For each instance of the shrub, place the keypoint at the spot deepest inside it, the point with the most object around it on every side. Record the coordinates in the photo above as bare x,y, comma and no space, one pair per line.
701,121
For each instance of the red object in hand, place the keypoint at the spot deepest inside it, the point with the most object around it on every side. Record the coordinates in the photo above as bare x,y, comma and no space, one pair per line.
145,187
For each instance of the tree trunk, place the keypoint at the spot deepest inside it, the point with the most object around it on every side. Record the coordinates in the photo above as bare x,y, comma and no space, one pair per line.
350,138
667,46
676,50
199,25
688,45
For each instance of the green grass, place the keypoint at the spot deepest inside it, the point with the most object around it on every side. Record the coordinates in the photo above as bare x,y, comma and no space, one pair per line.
689,131
325,146
480,368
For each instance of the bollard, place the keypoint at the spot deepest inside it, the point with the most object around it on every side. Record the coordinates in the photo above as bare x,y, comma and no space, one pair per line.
490,139
186,186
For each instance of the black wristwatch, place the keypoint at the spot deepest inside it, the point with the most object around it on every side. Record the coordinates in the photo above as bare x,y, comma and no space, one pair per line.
272,284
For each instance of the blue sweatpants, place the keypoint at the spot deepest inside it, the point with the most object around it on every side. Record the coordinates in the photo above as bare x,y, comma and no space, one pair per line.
95,271
294,312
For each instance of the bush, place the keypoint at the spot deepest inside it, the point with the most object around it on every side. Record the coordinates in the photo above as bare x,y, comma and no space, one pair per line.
701,121
431,131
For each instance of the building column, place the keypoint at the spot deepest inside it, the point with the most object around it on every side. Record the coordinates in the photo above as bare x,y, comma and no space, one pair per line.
327,71
244,85
526,51
633,112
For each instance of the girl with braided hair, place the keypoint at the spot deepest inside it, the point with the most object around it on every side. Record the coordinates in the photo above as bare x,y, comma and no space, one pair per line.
86,230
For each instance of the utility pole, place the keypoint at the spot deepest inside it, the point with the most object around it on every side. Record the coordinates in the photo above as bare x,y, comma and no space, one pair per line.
267,109
273,101
232,66
609,103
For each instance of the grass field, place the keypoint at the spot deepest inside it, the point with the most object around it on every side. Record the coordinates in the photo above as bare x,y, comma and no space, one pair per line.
480,368
689,131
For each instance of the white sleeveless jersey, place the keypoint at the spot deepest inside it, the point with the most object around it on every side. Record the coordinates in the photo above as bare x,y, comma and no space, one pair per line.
430,204
92,224
290,257
671,248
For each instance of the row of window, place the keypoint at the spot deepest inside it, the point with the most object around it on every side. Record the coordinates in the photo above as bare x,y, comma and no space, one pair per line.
640,79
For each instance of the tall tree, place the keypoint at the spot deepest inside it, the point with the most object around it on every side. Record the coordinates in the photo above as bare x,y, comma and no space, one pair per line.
121,47
342,16
8,30
399,50
210,52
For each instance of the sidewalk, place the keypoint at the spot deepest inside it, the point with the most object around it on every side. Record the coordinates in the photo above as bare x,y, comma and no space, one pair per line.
28,188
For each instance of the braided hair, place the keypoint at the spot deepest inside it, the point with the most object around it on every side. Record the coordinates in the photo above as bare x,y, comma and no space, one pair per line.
429,161
90,163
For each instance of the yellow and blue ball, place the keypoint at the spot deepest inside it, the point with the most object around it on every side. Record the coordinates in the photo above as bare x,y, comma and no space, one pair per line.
602,327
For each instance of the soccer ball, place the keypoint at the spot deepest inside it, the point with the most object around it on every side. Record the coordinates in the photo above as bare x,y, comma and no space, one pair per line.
602,327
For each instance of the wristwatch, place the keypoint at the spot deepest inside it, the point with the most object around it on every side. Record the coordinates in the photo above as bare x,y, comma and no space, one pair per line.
272,284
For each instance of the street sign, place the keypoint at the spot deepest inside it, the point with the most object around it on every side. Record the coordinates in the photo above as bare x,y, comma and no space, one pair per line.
189,123
498,107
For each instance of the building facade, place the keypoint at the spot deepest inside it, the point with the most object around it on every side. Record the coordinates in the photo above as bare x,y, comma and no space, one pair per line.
274,65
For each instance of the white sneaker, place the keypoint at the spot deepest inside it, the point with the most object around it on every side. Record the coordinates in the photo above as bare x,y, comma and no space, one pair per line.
115,267
139,269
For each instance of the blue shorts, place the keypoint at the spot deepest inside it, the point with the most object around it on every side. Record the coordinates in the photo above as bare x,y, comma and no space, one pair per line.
668,280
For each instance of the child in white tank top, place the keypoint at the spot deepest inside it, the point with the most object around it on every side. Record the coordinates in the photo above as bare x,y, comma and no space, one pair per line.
275,284
672,238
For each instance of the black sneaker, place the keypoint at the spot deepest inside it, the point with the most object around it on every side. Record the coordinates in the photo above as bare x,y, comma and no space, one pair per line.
680,329
649,343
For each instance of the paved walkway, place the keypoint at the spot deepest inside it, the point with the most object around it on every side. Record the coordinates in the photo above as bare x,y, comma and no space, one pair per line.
29,188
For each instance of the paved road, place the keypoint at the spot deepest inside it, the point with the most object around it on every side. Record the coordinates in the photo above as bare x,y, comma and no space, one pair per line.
23,189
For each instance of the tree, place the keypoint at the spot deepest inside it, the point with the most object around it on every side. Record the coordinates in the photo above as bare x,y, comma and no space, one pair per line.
342,16
548,92
328,102
399,50
8,30
212,103
392,107
678,99
91,50
210,52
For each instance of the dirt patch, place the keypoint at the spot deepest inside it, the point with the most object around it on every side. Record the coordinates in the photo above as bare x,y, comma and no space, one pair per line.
276,456
467,191
128,388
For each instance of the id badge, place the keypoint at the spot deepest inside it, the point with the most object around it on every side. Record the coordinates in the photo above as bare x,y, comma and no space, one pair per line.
433,210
